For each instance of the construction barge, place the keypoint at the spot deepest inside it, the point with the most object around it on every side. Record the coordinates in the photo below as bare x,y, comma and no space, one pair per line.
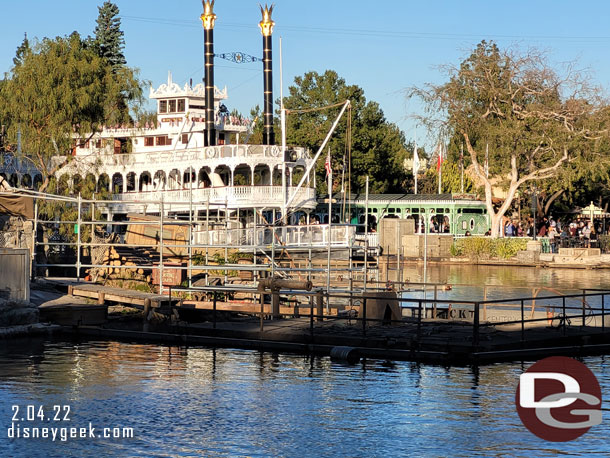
359,324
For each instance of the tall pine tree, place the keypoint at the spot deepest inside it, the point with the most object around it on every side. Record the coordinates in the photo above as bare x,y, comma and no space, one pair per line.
109,39
22,50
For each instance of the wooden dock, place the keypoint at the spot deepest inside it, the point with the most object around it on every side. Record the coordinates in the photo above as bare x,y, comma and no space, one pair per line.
101,294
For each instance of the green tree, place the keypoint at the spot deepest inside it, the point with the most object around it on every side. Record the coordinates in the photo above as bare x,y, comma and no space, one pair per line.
109,38
451,180
60,91
532,119
378,148
22,51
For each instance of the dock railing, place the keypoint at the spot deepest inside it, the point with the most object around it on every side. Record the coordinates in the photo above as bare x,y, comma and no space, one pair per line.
523,320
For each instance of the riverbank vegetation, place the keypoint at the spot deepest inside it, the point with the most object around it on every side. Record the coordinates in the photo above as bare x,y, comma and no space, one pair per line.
487,248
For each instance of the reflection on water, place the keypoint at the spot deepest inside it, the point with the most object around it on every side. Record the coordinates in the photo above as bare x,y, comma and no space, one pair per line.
509,276
205,402
476,283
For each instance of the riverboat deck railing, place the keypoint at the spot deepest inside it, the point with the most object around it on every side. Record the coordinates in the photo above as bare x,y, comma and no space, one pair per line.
233,196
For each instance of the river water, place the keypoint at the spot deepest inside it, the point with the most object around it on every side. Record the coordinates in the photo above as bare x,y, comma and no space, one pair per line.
222,402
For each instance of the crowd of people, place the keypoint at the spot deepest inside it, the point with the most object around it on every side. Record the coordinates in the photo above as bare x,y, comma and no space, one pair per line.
578,232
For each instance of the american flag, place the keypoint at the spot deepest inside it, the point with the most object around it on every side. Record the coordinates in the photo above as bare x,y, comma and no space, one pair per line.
327,165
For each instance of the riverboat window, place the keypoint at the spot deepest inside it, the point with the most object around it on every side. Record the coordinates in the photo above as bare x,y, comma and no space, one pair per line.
149,141
391,210
163,106
163,140
473,210
196,107
172,106
98,143
416,210
185,139
181,106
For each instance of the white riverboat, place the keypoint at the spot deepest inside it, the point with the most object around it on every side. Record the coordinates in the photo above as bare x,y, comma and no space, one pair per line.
195,164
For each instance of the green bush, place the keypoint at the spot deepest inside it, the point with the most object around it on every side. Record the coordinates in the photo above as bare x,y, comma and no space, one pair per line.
487,248
604,243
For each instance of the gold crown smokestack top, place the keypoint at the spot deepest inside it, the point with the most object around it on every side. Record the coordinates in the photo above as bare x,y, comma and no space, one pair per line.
208,18
266,26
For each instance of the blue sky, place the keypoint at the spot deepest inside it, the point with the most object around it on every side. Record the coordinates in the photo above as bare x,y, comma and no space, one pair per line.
384,48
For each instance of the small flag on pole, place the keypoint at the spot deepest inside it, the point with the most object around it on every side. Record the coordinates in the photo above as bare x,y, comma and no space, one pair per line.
327,164
439,158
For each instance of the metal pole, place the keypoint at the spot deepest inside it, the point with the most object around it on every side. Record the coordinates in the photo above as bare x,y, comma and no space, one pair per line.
78,239
214,310
583,307
315,159
190,247
226,236
161,247
366,232
603,313
563,307
475,327
364,317
311,315
330,213
398,279
522,322
255,243
425,252
261,298
207,239
34,240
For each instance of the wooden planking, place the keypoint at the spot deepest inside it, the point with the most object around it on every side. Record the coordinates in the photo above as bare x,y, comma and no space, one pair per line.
121,296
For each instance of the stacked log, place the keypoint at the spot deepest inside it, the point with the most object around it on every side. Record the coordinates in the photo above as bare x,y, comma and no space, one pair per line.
138,263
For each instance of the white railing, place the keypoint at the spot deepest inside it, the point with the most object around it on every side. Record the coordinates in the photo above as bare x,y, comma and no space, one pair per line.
314,236
166,156
372,237
235,196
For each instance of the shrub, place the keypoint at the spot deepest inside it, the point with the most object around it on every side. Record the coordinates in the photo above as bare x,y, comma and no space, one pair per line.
487,248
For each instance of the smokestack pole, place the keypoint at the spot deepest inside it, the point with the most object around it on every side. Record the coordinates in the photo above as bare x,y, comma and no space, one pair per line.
266,26
208,18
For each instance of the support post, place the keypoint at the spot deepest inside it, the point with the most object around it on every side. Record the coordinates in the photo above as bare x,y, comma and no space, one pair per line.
475,325
311,315
603,314
583,306
366,233
522,321
147,307
161,247
419,308
78,238
214,309
275,304
261,298
34,240
319,306
565,318
364,317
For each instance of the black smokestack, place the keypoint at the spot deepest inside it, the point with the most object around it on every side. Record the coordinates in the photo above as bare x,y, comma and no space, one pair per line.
208,18
266,26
